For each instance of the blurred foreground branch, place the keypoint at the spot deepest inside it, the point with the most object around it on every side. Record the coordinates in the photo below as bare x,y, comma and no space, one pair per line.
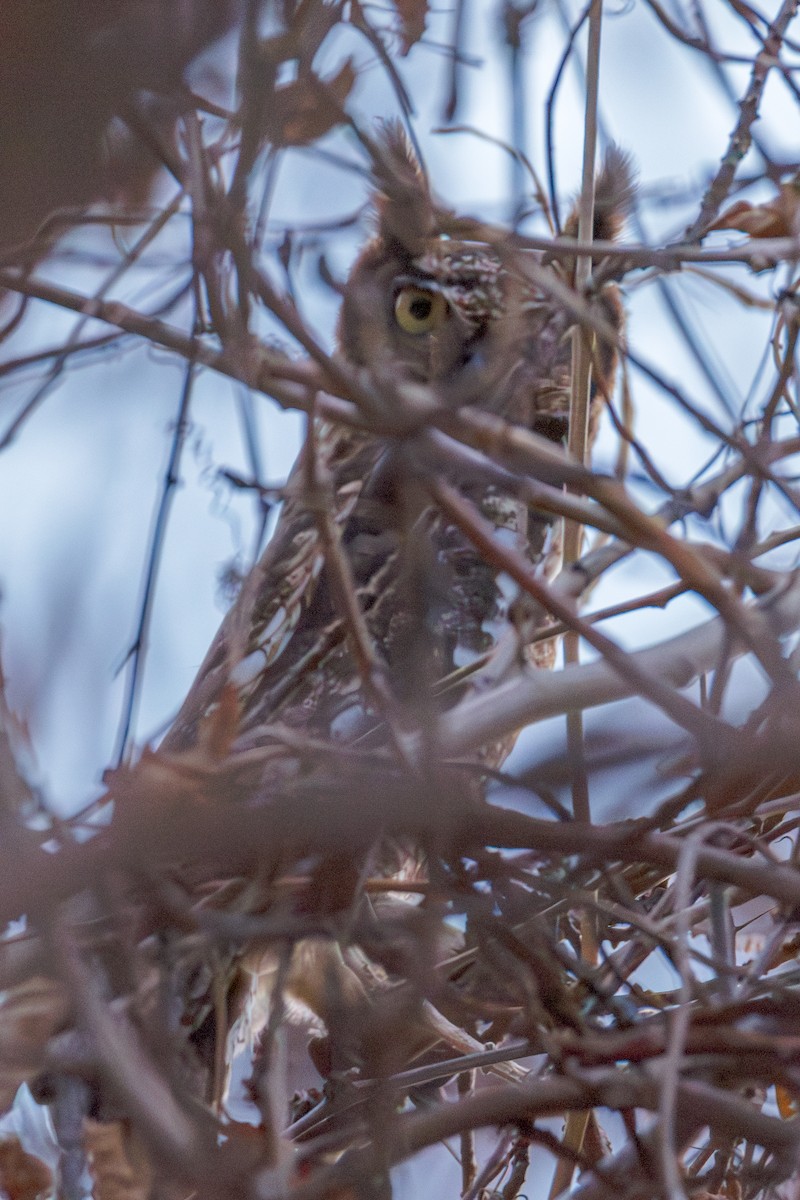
320,927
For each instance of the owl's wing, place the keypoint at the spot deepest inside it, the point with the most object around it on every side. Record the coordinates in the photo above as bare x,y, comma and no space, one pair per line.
256,634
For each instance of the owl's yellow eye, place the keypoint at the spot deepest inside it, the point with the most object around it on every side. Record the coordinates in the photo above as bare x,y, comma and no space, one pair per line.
418,310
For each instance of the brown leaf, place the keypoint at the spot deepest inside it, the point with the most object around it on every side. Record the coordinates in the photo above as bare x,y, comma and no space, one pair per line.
158,781
778,218
118,1163
30,1014
413,15
787,1105
22,1175
596,1142
731,1190
310,107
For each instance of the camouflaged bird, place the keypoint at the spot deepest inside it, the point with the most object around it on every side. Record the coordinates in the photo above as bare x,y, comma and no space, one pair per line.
478,327
430,304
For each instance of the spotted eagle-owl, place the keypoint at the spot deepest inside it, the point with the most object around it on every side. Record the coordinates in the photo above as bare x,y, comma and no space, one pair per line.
477,326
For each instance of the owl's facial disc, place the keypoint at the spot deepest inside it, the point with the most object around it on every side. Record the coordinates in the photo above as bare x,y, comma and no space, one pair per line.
420,310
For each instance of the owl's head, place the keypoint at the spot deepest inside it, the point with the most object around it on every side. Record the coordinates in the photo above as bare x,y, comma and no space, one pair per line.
467,316
417,299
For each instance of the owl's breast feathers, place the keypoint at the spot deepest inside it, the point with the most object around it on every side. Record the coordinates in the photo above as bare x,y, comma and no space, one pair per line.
430,602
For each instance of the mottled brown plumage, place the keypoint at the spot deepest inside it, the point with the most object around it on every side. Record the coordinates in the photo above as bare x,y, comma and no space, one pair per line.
425,304
482,328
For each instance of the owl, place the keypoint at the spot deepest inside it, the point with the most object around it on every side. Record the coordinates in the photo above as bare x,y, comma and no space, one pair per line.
370,612
426,306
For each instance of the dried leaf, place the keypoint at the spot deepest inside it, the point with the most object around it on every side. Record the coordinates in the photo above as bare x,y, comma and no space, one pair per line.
596,1142
159,780
30,1014
731,1190
310,107
118,1163
787,1105
413,15
22,1175
779,218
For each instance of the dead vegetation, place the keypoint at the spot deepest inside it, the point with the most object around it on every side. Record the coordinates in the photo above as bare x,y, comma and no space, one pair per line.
601,1003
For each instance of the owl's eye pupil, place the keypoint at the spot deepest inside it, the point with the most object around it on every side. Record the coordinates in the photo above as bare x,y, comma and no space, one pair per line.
419,310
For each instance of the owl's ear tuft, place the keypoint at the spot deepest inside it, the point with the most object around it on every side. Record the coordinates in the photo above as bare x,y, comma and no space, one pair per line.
395,153
406,213
614,196
615,193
